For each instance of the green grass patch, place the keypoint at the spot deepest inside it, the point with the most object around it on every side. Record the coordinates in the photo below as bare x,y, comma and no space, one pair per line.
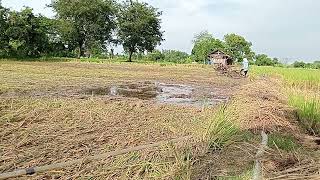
283,142
308,111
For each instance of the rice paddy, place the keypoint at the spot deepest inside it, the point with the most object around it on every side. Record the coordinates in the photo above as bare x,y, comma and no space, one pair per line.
52,112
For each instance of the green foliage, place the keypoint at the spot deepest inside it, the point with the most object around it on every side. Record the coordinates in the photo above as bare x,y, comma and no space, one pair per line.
238,47
234,45
283,142
175,56
222,129
264,60
204,43
301,64
4,40
156,55
308,111
139,27
26,34
85,23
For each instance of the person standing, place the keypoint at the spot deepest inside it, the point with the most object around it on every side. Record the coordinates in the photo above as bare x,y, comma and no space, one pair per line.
245,67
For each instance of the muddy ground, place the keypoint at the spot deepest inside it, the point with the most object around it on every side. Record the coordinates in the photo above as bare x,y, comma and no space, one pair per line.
53,112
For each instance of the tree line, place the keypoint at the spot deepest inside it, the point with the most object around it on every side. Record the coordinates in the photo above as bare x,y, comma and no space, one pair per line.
238,48
92,28
80,28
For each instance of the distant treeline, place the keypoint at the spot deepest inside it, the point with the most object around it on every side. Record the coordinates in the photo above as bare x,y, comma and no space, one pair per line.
80,28
93,28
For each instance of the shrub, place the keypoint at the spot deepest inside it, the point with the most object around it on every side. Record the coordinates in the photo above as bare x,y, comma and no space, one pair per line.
264,60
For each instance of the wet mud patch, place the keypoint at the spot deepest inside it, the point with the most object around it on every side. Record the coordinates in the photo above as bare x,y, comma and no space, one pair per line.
161,93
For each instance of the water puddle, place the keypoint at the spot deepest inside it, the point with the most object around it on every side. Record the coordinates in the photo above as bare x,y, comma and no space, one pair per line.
160,92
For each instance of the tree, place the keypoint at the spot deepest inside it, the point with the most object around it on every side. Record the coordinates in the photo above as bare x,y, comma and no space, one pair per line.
156,55
264,60
238,47
204,43
27,37
4,39
316,64
85,23
299,64
139,27
204,35
175,56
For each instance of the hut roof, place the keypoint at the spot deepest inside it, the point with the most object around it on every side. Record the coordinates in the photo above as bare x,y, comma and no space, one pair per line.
221,52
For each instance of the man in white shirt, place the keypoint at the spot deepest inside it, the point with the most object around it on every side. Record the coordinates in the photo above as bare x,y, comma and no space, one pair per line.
245,67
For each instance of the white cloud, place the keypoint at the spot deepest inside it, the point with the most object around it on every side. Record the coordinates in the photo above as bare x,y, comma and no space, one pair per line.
39,6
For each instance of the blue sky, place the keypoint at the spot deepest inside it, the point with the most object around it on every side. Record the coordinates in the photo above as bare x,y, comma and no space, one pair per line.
288,29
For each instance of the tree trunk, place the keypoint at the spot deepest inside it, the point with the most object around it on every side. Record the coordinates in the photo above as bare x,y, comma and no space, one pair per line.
112,53
130,56
80,50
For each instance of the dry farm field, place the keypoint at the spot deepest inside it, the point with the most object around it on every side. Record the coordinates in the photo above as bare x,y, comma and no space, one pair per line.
52,112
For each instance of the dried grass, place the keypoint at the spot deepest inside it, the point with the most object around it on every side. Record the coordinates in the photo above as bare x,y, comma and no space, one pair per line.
39,129
260,105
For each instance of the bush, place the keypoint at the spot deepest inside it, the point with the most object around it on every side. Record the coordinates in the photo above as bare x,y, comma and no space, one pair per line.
299,64
264,60
156,55
175,56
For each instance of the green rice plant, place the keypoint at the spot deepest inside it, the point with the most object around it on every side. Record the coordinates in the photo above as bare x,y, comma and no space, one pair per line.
293,77
308,111
283,142
221,130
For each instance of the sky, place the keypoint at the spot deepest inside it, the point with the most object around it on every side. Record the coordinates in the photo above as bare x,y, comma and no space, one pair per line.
287,29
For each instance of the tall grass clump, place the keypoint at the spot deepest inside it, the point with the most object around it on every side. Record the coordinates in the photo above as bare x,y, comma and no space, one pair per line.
221,130
308,111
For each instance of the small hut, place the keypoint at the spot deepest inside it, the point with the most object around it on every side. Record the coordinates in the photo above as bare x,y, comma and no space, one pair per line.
220,58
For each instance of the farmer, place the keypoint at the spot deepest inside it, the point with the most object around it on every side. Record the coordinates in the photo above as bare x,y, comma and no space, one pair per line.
245,67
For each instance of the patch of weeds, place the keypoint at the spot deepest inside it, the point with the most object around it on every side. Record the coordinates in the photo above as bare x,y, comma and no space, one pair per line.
283,142
248,136
222,129
183,164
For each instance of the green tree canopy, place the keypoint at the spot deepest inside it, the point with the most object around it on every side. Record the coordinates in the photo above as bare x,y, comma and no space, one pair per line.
175,56
155,55
27,35
139,27
264,60
238,47
84,23
299,64
204,43
4,40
